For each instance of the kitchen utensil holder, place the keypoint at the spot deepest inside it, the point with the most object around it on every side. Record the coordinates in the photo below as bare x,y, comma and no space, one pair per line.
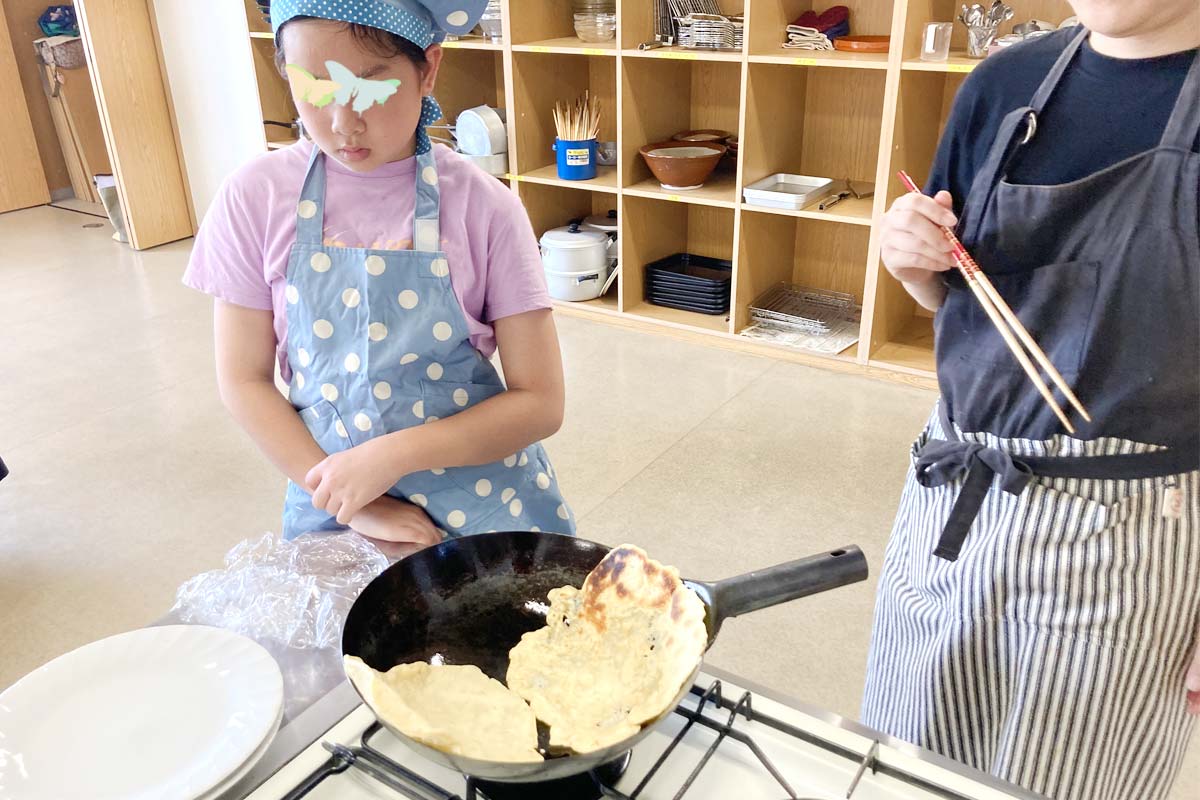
576,159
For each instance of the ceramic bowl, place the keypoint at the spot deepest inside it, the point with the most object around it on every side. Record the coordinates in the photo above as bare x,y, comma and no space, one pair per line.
702,136
680,166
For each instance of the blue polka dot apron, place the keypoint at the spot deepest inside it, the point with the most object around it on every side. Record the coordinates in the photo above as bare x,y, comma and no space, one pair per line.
378,342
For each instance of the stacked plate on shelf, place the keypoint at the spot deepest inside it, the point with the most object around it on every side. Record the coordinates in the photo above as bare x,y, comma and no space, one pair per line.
178,711
690,283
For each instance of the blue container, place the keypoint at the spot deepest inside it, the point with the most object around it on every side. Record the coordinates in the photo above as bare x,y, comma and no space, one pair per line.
576,160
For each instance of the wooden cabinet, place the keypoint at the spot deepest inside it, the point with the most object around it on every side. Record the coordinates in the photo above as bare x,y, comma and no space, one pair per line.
135,113
22,179
77,124
834,114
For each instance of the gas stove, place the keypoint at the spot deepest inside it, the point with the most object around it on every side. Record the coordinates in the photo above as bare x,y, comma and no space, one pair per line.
727,740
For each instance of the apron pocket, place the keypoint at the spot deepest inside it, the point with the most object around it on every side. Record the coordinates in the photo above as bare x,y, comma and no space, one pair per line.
326,427
1054,302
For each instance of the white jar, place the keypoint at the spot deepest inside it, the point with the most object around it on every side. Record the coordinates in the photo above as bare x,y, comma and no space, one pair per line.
576,261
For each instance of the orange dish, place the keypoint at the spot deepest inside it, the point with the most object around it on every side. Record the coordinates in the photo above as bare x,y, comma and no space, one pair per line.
863,44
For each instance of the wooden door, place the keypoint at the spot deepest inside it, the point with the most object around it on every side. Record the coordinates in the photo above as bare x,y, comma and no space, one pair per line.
135,112
22,179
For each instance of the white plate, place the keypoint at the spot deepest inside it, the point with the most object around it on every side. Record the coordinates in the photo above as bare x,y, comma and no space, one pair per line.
168,712
227,784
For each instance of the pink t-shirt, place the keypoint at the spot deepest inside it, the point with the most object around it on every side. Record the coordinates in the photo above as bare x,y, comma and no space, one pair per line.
241,251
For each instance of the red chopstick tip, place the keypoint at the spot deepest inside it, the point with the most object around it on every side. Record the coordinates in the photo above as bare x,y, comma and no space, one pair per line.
907,181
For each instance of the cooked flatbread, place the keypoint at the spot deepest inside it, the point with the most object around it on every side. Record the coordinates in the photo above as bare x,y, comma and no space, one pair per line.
612,655
456,709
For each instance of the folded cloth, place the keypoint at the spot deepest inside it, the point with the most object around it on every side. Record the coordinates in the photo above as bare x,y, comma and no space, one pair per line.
804,38
825,20
799,31
841,29
823,44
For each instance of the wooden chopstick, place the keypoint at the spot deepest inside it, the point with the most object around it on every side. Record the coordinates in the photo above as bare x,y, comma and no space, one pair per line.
578,121
1007,322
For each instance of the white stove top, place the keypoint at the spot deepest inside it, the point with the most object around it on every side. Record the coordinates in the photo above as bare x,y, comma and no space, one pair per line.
822,762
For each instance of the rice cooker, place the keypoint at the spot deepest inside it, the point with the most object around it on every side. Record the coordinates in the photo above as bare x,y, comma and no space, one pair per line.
576,261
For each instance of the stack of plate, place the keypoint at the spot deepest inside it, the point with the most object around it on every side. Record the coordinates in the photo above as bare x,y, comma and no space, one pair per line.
180,711
690,283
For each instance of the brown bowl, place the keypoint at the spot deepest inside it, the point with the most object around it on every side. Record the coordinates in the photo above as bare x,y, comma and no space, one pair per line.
707,135
682,165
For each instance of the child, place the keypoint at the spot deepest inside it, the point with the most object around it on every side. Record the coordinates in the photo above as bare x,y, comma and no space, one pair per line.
381,273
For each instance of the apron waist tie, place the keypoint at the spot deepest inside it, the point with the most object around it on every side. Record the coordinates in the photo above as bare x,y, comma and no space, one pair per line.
943,461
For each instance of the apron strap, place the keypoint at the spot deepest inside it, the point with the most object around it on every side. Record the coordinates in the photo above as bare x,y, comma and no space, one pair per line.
1184,125
427,236
310,229
1042,95
1003,149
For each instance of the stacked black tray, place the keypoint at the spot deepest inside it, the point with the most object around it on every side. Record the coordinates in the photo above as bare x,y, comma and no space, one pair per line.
690,283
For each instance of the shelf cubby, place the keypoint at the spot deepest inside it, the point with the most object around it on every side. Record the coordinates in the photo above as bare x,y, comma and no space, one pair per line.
768,31
470,77
818,122
541,79
925,102
663,97
549,26
803,252
901,331
652,229
274,95
255,22
553,206
636,25
922,12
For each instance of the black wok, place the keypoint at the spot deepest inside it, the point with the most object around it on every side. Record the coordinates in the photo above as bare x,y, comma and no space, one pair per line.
469,600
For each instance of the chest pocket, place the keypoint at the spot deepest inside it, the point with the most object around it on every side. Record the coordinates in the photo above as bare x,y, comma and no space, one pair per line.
1055,302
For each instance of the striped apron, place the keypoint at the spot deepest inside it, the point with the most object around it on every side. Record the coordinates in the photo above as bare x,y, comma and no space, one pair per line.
1040,596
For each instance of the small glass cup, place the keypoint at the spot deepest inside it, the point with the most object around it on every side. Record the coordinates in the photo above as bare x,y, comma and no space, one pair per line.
935,42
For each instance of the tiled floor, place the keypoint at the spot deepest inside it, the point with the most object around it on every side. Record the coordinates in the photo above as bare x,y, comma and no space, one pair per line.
128,477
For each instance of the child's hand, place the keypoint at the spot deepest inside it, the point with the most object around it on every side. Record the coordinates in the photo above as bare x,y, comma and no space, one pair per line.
396,527
344,483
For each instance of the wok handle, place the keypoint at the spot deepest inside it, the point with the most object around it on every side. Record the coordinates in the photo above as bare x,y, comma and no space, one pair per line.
774,585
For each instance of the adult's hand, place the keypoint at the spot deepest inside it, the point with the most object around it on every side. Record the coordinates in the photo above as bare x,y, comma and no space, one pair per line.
912,245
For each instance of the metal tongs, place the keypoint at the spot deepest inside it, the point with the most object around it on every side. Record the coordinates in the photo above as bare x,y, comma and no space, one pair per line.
858,190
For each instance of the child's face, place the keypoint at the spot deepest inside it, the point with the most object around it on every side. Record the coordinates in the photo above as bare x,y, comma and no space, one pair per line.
383,132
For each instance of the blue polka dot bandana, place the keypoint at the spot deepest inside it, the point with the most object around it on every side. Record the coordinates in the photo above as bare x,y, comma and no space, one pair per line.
431,112
422,22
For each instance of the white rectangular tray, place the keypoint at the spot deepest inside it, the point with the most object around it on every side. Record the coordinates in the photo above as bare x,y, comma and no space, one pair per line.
785,190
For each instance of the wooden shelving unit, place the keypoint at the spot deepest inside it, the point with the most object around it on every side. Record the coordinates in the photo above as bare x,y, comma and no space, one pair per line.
837,114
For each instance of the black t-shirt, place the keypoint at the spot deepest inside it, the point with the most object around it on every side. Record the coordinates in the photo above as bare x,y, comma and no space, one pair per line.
1103,111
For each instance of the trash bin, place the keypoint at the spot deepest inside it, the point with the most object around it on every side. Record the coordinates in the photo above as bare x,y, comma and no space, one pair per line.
106,186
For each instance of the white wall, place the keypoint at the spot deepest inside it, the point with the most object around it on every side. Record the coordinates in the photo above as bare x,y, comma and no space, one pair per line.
212,84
